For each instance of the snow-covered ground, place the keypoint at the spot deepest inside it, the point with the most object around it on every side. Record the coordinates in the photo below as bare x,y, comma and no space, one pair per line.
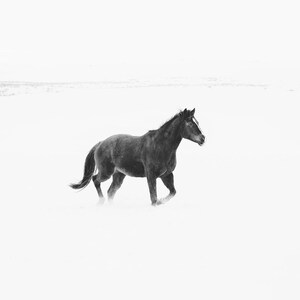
231,232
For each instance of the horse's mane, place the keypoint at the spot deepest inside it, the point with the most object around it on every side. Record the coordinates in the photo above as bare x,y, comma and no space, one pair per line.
165,126
170,121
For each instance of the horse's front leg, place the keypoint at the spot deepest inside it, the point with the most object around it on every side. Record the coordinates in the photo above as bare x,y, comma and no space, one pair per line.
168,181
151,179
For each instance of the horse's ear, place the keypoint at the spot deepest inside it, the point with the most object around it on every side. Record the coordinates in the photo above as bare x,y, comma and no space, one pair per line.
185,113
193,112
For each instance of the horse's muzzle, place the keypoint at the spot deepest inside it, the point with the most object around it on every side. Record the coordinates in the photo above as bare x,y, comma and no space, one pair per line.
202,140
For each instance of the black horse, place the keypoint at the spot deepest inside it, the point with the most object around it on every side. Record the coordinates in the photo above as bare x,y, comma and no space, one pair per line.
152,155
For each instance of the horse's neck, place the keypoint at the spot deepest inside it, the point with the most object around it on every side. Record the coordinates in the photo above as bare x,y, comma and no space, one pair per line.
170,138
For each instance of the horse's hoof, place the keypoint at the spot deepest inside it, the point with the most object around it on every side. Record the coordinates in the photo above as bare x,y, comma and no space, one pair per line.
101,201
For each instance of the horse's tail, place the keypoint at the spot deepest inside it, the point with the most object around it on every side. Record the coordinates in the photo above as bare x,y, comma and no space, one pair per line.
89,169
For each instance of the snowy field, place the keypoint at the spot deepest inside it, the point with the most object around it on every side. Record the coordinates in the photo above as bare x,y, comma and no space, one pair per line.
232,230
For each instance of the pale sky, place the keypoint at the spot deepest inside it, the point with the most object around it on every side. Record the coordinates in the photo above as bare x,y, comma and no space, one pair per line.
134,31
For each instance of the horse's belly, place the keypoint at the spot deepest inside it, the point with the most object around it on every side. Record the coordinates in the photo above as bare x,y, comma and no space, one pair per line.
134,169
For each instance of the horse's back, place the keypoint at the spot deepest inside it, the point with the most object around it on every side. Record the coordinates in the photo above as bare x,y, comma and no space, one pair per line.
119,140
118,145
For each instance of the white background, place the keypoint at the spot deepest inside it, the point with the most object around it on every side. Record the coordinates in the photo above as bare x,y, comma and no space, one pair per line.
73,73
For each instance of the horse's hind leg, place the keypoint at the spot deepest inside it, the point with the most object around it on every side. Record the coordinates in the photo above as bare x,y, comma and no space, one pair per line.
169,183
97,179
115,185
97,184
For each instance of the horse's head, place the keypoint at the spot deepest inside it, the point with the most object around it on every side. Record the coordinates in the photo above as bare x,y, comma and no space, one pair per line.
190,127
